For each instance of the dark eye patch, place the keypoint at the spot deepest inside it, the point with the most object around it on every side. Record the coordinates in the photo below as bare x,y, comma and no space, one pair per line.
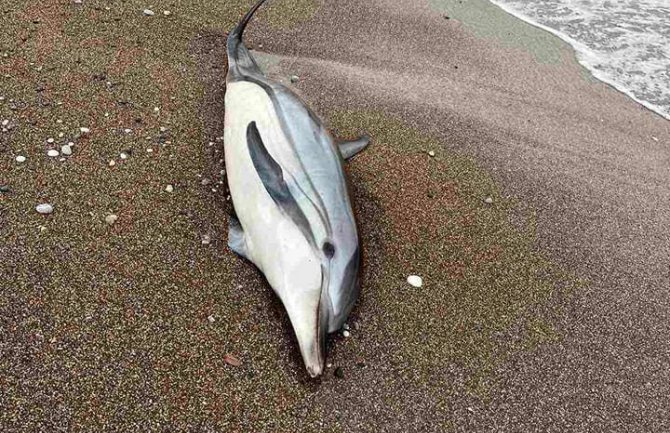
328,249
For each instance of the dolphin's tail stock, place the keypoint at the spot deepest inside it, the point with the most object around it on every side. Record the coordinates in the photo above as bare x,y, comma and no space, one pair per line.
240,61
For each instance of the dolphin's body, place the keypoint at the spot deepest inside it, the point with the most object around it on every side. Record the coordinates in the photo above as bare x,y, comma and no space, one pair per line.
294,217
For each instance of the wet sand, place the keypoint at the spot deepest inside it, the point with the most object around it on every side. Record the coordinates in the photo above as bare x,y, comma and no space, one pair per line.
545,310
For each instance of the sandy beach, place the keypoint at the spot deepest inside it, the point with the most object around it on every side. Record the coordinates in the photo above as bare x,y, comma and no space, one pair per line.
539,226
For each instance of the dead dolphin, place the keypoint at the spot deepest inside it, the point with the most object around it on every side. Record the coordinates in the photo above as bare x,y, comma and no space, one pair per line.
294,217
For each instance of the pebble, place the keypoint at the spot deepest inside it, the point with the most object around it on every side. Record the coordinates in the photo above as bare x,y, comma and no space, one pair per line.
488,200
157,110
415,281
211,319
205,239
654,138
44,208
294,78
431,153
150,150
148,12
112,163
127,130
346,334
167,13
111,219
50,140
20,158
123,156
66,150
5,188
5,122
52,153
169,188
162,129
84,130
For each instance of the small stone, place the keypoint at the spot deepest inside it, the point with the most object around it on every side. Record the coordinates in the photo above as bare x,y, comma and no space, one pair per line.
150,150
4,188
5,122
346,334
231,360
59,121
66,150
157,110
329,365
61,135
50,140
206,239
148,12
488,200
20,158
167,13
654,138
162,129
169,188
339,372
431,153
127,130
346,327
44,208
294,78
205,182
111,219
123,155
112,163
78,2
211,319
52,153
84,130
415,281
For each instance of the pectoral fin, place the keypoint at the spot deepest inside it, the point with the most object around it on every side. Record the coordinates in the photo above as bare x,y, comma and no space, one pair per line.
349,149
272,176
236,240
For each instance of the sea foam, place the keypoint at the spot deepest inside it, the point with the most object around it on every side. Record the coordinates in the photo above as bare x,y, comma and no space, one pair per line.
625,43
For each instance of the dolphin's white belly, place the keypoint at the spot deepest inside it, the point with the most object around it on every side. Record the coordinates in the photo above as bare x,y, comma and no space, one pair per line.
274,243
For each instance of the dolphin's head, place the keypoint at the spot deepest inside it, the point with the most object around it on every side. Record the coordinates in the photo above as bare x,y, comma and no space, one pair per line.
299,278
320,288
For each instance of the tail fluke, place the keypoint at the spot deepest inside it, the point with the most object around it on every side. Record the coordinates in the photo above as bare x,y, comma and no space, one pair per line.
240,61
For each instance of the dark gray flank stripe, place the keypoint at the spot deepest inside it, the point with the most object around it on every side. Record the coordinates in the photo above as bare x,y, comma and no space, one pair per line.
272,177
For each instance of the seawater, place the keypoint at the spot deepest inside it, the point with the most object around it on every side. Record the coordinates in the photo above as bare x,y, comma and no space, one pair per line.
625,43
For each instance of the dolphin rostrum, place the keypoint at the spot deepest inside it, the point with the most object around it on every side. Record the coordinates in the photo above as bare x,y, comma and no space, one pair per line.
288,186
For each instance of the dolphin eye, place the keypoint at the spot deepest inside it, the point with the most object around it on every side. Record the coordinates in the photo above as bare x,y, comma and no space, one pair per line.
328,249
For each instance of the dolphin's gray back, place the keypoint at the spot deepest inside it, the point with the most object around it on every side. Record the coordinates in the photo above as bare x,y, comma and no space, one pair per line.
322,184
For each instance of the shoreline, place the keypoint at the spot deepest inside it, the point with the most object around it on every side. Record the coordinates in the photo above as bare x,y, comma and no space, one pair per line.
579,48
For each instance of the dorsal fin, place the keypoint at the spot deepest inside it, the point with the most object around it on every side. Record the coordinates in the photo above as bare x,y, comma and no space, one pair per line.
240,62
